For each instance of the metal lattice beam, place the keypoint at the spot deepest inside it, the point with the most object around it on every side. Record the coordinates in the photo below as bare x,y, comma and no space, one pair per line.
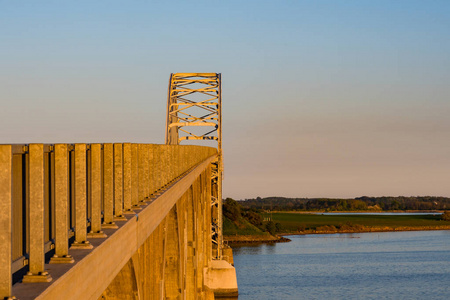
194,112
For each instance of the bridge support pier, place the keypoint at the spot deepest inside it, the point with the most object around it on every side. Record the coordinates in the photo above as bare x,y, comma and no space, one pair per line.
220,277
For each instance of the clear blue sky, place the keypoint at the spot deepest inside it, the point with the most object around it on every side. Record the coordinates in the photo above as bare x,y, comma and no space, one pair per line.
320,98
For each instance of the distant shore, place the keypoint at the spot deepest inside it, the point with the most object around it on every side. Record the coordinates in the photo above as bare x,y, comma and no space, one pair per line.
254,239
280,237
370,229
284,223
359,211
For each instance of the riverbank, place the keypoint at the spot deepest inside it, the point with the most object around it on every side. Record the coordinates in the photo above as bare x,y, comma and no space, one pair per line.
368,211
254,239
289,223
312,223
367,229
280,238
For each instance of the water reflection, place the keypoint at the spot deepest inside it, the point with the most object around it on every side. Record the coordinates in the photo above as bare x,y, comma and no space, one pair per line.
388,265
254,249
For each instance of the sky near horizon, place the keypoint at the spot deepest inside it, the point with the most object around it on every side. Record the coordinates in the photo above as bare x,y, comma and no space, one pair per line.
320,98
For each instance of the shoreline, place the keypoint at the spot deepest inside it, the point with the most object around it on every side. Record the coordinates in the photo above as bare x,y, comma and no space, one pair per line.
313,212
279,238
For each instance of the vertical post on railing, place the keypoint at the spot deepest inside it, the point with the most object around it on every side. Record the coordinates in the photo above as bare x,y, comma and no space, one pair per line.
36,271
141,167
61,255
146,171
150,170
108,187
81,241
127,179
118,183
96,192
5,221
134,176
165,166
151,167
157,169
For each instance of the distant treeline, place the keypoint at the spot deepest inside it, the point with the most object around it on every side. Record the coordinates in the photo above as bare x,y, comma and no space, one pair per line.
357,204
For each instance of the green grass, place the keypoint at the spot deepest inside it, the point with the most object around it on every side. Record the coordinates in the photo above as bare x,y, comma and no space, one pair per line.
299,222
240,227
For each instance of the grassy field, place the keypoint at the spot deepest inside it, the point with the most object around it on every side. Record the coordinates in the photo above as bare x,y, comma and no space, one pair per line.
240,227
294,222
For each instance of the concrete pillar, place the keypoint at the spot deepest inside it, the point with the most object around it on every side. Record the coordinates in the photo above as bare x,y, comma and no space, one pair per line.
167,174
127,178
208,216
170,163
184,162
36,271
134,177
5,221
108,187
146,171
161,254
141,171
118,183
172,288
200,233
144,264
158,168
61,255
124,285
183,246
152,170
191,291
81,241
96,192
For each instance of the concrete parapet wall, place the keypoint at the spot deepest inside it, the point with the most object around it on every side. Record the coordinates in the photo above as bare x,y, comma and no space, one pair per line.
160,191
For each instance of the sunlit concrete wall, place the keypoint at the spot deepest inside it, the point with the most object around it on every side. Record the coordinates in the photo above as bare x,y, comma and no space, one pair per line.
113,221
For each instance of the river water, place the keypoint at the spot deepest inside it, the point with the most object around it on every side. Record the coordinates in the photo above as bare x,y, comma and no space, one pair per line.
384,265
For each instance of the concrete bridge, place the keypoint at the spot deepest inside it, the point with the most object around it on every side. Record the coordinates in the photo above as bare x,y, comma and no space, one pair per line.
112,221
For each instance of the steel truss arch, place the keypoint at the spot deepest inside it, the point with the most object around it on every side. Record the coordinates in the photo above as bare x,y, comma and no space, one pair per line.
194,112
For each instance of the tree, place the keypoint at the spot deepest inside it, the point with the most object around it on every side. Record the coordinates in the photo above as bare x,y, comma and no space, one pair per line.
231,209
253,218
446,216
270,227
278,227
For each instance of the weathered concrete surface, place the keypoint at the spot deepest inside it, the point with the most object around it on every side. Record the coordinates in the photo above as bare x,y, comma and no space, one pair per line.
36,271
5,220
227,254
92,275
221,278
160,251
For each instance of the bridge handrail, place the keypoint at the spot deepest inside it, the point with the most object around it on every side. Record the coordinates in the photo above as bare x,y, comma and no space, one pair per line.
53,196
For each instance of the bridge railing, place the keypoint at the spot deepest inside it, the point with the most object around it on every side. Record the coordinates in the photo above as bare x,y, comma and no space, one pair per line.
55,196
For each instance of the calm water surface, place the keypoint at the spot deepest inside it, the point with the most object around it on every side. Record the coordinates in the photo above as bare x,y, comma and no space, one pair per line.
385,265
381,213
